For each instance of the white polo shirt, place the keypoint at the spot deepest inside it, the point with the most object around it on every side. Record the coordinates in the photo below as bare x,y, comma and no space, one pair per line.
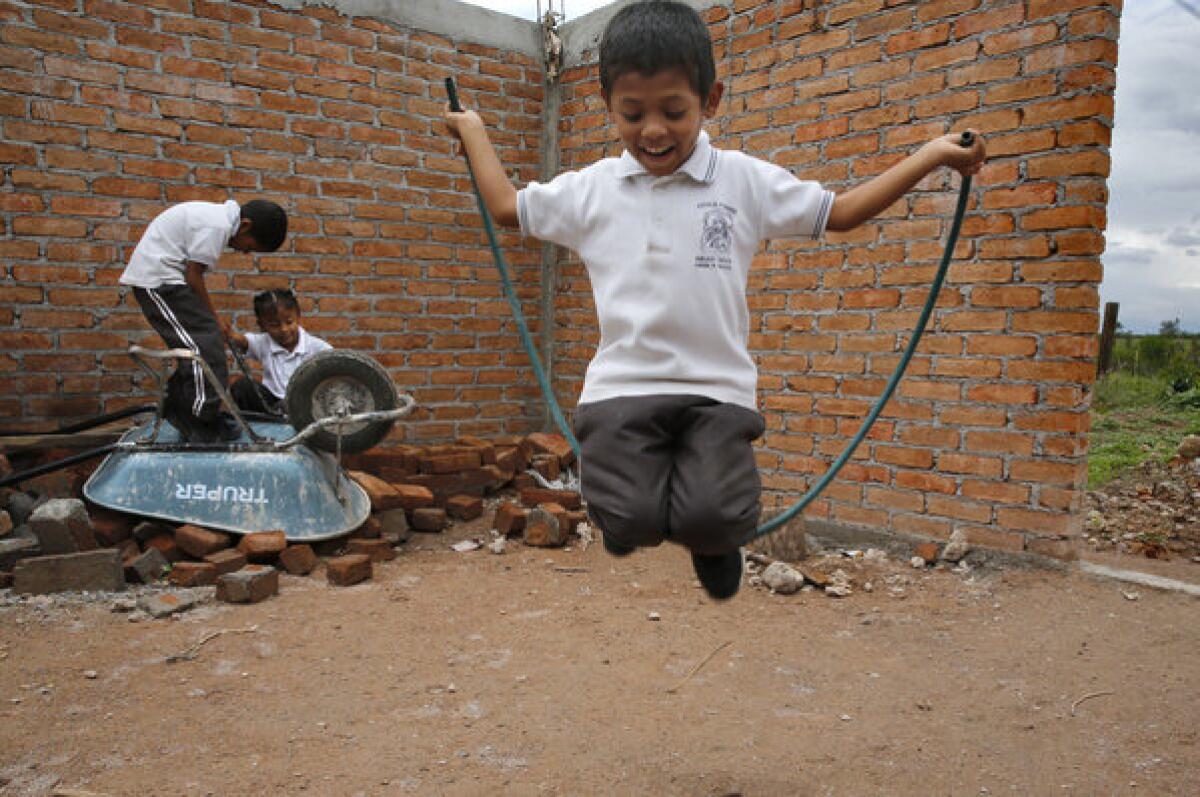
189,231
278,363
669,258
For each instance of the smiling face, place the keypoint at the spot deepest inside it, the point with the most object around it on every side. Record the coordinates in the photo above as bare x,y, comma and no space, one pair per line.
659,117
283,325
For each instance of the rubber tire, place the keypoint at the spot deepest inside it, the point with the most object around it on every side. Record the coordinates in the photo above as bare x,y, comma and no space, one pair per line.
347,366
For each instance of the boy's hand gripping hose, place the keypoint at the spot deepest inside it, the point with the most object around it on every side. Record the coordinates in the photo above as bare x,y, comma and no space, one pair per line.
967,140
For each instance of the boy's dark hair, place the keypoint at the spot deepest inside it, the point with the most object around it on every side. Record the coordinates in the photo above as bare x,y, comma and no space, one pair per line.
268,223
654,35
269,303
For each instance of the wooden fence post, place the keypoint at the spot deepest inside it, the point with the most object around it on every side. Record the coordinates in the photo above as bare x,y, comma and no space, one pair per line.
1108,333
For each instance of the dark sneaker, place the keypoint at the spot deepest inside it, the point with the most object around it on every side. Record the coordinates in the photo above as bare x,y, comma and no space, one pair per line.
720,575
615,548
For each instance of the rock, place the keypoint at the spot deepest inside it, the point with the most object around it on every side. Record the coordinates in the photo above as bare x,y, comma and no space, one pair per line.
1189,448
543,529
192,574
95,571
111,528
300,560
344,571
226,561
429,519
956,548
788,543
497,545
251,584
464,507
376,550
509,519
62,526
167,603
165,544
917,562
393,526
839,585
20,545
199,542
782,578
146,567
928,551
20,506
262,546
383,496
568,499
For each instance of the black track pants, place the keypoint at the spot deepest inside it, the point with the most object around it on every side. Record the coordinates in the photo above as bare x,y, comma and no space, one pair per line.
183,321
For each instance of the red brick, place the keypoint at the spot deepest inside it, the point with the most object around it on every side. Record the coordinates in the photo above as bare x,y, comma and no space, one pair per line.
344,571
377,550
192,574
509,519
262,546
199,542
298,560
225,561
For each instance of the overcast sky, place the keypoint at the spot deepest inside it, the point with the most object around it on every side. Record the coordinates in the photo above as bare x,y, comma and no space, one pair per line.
1152,265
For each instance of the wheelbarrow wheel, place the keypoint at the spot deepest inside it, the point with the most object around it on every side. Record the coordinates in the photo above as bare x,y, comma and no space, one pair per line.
334,382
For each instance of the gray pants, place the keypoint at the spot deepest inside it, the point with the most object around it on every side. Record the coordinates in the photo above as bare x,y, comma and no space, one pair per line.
671,467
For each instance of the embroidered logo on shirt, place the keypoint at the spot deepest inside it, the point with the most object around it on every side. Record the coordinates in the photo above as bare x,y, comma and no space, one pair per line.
716,236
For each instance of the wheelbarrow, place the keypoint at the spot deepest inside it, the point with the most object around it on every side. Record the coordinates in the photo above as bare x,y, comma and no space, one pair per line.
282,473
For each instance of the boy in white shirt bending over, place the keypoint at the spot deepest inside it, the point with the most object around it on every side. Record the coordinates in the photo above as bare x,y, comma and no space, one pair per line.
667,232
166,272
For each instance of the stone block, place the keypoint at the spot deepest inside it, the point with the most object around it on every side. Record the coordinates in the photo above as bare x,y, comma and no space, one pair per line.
371,529
146,567
382,494
393,526
193,574
568,499
429,519
414,496
349,569
509,519
464,507
20,506
543,530
111,528
251,584
165,543
167,603
546,465
299,560
62,526
377,550
553,444
227,560
149,529
20,545
262,546
199,542
96,571
451,462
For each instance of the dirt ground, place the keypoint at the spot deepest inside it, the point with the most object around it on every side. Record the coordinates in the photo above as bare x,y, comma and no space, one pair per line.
570,672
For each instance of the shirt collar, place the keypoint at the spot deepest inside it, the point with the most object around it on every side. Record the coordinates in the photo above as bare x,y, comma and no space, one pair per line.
302,344
701,166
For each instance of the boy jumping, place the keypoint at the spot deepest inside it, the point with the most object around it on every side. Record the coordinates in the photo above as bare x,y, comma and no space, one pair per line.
166,272
667,231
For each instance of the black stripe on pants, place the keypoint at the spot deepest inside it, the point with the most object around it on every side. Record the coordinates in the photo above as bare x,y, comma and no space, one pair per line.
178,315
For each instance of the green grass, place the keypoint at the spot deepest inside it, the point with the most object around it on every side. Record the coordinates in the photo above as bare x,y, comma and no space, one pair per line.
1134,420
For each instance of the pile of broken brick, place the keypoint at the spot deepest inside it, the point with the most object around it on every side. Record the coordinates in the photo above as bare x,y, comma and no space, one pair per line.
53,541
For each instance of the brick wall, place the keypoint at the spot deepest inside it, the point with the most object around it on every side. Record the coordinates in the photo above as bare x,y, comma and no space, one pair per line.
110,111
988,429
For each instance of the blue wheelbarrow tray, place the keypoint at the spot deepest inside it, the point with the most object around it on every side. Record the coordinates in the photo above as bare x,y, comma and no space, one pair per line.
240,487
